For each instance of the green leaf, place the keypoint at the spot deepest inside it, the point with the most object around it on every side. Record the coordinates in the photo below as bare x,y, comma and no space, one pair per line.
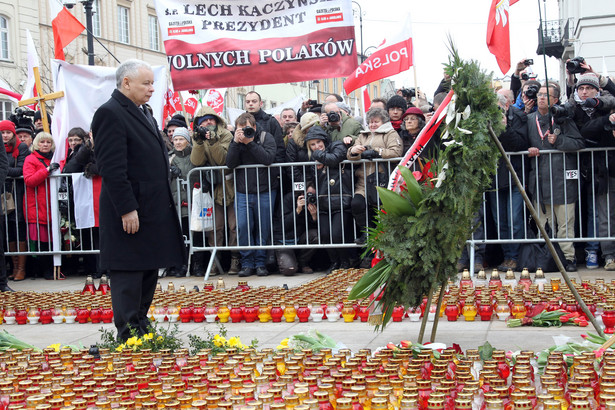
486,351
414,189
395,204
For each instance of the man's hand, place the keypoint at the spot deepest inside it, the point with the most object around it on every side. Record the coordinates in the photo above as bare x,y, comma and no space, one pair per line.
551,137
240,138
520,67
300,203
347,140
313,211
324,119
52,167
533,152
529,105
130,222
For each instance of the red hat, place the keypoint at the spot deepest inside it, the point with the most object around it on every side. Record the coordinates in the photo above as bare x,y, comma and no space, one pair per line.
413,110
7,125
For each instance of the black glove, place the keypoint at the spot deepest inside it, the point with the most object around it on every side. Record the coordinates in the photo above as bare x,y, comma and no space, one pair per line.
52,167
200,134
175,171
593,103
369,154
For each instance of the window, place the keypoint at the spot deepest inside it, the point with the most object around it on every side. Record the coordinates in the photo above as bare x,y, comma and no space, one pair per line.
326,85
122,25
4,38
375,92
154,41
241,101
335,85
96,18
274,104
6,108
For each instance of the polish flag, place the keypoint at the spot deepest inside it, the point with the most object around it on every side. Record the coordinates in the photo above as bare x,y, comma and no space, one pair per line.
5,89
367,102
214,97
65,26
498,35
393,56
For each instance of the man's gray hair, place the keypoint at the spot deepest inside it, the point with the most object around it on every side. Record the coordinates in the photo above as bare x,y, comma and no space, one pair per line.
502,100
345,107
324,107
129,68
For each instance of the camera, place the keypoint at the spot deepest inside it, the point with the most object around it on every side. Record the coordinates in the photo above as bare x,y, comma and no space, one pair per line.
333,116
201,133
529,61
310,198
532,92
561,111
312,103
369,153
22,118
249,132
408,93
525,76
574,66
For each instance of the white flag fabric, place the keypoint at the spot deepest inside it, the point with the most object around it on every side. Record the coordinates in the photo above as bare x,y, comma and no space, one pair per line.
33,61
83,194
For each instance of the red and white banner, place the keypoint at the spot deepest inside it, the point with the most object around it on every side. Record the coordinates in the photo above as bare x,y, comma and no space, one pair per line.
215,99
231,43
420,142
393,56
65,26
498,35
6,90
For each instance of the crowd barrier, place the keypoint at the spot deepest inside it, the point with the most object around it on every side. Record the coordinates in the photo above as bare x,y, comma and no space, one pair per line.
276,224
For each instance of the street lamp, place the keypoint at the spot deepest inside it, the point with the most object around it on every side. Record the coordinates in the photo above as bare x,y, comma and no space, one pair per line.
369,48
87,4
360,27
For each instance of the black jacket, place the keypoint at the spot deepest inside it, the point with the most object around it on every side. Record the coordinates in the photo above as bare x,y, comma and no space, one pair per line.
262,150
133,162
513,139
15,170
269,124
333,182
598,133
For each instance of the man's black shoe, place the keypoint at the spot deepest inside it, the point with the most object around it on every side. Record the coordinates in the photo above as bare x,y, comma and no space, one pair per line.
6,288
571,266
261,271
334,265
361,239
245,272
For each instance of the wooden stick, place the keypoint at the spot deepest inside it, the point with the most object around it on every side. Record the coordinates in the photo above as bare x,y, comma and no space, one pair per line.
544,234
608,343
426,315
436,319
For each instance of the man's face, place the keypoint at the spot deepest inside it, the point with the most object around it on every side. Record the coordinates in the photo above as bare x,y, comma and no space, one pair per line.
542,99
316,145
25,137
378,104
207,122
7,136
586,91
179,143
38,124
253,103
73,141
171,131
288,116
395,113
140,88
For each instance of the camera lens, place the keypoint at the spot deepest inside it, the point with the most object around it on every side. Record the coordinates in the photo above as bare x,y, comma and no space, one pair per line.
249,132
333,116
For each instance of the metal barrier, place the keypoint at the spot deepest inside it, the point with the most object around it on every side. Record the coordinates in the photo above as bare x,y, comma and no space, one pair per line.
339,215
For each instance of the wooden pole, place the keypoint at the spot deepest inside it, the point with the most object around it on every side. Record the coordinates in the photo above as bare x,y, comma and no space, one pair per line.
544,234
426,314
434,328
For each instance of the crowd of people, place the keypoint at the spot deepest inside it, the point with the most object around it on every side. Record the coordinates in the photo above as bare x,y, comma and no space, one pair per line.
333,200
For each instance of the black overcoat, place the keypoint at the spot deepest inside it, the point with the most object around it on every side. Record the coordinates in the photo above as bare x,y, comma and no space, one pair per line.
133,162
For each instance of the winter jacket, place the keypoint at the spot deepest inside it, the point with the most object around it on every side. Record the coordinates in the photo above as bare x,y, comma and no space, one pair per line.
269,124
181,159
348,128
36,179
333,197
386,142
16,155
513,139
213,153
551,167
599,133
297,151
262,150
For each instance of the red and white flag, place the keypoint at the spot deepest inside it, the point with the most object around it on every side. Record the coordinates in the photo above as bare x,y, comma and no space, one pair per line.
6,90
498,35
65,26
214,98
367,102
393,56
33,61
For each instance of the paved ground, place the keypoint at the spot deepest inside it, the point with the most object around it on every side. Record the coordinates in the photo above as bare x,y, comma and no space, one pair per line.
354,335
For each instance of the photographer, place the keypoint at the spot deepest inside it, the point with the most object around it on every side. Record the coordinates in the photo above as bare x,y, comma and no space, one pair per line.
600,132
553,178
256,191
578,65
338,125
526,100
211,141
297,150
519,77
586,104
380,141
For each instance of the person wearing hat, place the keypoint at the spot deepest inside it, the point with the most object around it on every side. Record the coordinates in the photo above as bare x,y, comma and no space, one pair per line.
589,103
296,149
396,107
16,153
339,126
210,144
38,121
6,128
24,128
175,122
413,122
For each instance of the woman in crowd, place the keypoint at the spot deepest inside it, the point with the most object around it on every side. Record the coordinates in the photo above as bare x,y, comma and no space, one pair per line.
16,153
413,122
36,170
379,141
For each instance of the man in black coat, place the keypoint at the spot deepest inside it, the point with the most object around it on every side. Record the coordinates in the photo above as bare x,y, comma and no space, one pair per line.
4,169
139,226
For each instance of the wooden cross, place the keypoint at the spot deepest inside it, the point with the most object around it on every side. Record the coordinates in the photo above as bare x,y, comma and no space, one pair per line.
41,98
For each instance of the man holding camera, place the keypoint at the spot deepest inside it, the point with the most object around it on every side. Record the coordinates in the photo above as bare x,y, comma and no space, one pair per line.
211,141
554,178
338,125
256,191
587,104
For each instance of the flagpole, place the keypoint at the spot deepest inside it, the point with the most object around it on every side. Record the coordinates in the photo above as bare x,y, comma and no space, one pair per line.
544,57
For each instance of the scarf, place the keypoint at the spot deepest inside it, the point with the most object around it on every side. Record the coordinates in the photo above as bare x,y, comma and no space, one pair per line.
396,124
47,155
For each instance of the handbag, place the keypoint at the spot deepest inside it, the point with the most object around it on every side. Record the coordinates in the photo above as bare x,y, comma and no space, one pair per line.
8,202
373,180
202,213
